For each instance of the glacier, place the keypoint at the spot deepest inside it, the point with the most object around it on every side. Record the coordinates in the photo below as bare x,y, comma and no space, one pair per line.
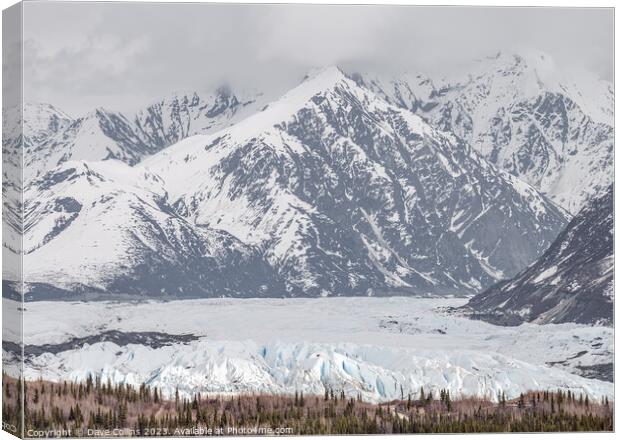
379,348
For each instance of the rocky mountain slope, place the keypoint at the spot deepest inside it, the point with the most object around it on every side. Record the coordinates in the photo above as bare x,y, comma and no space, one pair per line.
328,191
32,123
346,194
519,111
52,138
40,122
104,227
181,115
523,115
571,282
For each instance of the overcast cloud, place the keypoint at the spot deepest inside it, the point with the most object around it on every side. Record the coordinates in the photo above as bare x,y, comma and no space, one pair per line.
83,55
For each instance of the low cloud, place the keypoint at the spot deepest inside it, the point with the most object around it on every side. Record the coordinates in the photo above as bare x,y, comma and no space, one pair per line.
82,55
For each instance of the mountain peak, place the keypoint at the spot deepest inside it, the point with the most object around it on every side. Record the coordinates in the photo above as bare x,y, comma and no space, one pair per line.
324,73
96,113
322,80
38,120
525,57
43,107
528,65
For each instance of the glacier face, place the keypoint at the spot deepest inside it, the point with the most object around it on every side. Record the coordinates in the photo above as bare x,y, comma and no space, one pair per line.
381,348
329,190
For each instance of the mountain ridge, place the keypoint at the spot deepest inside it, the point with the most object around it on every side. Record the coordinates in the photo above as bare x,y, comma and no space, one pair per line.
523,115
292,141
571,282
329,190
104,134
518,110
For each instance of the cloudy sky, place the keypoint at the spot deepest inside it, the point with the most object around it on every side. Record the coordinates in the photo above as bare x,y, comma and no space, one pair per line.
83,55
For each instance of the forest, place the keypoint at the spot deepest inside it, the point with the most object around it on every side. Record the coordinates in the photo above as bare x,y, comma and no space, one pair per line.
96,408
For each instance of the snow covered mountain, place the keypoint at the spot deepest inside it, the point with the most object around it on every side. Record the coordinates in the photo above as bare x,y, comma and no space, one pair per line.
40,121
571,282
415,92
518,111
328,191
23,128
346,194
181,115
53,138
524,116
96,136
35,123
104,227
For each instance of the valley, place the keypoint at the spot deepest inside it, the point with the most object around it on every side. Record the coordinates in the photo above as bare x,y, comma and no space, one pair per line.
365,234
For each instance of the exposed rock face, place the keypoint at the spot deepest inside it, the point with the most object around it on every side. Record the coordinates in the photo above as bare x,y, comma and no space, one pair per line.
178,116
337,188
328,191
51,137
571,282
106,228
523,115
346,194
519,111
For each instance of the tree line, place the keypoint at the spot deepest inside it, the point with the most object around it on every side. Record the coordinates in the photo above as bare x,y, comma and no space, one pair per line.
102,406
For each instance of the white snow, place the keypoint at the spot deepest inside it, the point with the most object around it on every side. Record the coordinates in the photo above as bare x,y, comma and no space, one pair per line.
89,246
546,274
368,345
505,89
